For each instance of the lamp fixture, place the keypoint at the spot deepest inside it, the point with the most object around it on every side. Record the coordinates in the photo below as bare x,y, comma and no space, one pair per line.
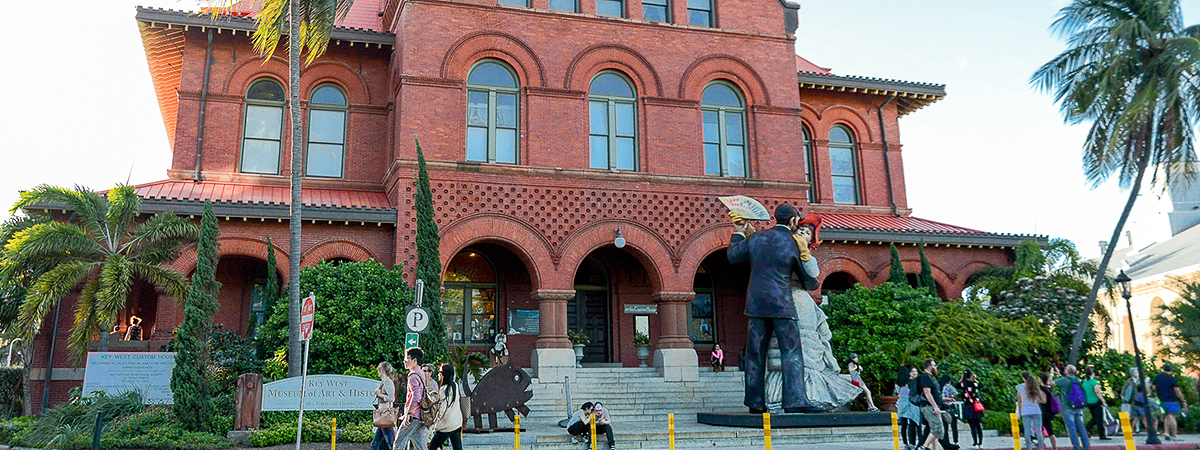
619,242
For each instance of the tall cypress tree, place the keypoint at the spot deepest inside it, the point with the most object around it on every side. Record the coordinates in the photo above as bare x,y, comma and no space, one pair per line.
896,275
191,382
926,278
270,296
429,263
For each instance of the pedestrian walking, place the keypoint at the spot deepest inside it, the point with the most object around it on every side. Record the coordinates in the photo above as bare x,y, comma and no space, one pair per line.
1073,400
1134,395
972,414
932,407
949,394
1171,397
1096,403
385,395
1029,400
909,415
448,424
413,435
1050,407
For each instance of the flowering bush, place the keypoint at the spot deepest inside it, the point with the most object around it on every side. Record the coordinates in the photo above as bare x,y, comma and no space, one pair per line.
1047,300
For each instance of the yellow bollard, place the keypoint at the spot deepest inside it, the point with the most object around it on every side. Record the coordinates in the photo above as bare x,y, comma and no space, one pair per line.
1016,431
767,430
333,437
1127,429
895,431
593,424
671,430
517,432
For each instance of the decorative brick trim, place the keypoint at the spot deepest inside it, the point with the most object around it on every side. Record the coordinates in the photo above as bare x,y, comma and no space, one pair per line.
618,57
671,102
493,44
673,297
537,91
776,110
725,67
336,248
431,82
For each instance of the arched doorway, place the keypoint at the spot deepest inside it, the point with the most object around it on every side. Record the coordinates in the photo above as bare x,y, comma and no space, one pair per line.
486,292
242,295
837,283
588,312
469,299
717,314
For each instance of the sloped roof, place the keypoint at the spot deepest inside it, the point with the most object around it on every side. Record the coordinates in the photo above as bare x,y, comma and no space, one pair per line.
1163,258
910,96
854,228
257,194
363,14
804,65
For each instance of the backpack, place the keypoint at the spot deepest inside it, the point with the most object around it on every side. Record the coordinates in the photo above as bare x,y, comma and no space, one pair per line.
1076,396
1052,399
916,395
430,407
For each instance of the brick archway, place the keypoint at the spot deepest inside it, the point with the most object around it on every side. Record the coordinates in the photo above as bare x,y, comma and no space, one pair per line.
338,73
522,239
252,69
493,44
335,248
641,242
613,56
843,264
256,248
723,67
698,246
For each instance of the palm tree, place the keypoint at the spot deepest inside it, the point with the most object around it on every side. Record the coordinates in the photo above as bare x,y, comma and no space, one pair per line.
98,250
1130,69
14,284
314,28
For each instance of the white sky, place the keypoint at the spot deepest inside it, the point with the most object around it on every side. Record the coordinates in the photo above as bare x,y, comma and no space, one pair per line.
993,155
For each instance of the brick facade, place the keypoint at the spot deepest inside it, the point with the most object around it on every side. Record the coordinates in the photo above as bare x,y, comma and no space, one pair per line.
540,220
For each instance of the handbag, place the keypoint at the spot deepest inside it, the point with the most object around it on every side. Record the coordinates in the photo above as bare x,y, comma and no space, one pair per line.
384,418
978,406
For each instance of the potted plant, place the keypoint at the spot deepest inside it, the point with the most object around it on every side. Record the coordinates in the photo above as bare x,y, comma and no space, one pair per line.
466,363
642,342
578,340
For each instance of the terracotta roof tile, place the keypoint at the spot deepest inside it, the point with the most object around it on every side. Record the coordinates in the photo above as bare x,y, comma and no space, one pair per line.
261,194
872,222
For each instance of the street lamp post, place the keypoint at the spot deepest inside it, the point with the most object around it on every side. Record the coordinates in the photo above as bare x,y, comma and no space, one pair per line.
1151,434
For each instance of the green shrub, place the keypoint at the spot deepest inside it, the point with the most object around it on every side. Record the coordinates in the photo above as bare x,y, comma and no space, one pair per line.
317,428
11,390
8,428
363,326
998,420
870,322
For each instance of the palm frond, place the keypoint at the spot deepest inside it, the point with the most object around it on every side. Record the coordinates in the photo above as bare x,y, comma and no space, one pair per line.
123,206
170,281
49,289
157,240
89,321
53,241
89,207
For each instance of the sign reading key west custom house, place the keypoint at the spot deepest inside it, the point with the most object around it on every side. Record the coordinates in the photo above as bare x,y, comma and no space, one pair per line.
324,393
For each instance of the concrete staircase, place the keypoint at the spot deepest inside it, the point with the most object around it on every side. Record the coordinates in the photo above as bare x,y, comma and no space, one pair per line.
638,395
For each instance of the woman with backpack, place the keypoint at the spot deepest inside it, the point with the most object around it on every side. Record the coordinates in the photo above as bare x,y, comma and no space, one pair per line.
1029,399
1050,407
1135,396
448,418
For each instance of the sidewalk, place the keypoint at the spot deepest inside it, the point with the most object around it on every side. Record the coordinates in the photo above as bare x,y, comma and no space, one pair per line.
1188,442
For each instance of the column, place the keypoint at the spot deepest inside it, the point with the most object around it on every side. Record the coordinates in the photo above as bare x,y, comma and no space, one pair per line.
674,355
553,358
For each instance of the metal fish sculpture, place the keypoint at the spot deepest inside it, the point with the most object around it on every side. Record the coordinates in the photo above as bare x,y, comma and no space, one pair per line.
503,389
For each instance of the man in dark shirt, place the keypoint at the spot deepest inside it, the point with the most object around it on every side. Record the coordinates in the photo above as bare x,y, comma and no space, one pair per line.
933,408
1170,396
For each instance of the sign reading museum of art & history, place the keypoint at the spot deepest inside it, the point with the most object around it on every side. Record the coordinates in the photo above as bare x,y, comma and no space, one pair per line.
117,373
324,393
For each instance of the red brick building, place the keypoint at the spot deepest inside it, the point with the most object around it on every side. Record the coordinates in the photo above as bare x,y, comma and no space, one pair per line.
551,128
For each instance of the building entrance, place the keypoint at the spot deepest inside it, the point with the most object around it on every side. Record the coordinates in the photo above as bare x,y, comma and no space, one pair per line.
588,311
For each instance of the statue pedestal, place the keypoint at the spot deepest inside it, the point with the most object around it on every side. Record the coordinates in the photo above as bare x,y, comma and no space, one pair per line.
786,420
677,364
551,365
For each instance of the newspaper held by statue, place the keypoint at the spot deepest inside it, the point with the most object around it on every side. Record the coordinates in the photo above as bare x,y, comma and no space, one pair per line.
748,208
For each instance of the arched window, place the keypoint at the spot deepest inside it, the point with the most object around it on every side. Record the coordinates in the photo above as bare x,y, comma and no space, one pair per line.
469,299
810,165
724,131
492,112
326,132
842,166
262,129
659,10
613,123
701,315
